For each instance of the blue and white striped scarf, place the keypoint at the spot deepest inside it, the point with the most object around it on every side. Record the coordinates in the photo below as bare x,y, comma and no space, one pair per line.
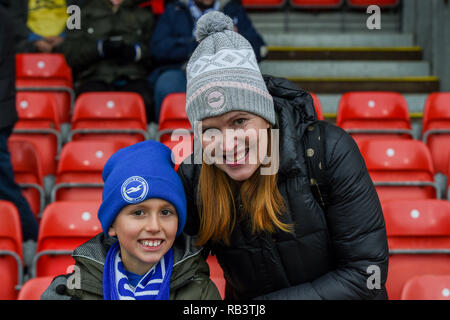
154,285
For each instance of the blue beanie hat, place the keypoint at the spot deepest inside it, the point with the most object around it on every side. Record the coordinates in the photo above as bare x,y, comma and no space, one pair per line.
139,172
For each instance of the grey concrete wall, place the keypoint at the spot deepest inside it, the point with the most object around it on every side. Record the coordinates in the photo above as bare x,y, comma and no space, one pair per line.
429,20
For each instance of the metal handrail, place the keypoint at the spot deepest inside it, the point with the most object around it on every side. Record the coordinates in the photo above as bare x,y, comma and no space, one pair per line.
44,253
72,185
19,266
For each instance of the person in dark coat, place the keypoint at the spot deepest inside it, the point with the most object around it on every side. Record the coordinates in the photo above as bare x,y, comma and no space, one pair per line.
9,190
271,236
173,41
111,51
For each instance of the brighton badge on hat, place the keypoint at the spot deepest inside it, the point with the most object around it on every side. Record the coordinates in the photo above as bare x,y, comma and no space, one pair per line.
215,98
134,189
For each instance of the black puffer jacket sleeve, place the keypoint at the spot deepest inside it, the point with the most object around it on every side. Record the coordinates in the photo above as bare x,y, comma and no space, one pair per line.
356,227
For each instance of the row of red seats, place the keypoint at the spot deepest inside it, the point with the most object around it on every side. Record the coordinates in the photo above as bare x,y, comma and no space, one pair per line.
120,117
158,5
418,237
319,4
399,169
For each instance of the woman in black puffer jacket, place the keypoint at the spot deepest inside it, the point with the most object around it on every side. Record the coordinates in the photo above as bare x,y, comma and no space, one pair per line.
272,237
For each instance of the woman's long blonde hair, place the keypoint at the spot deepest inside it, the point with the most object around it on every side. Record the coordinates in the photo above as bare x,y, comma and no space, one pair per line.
259,195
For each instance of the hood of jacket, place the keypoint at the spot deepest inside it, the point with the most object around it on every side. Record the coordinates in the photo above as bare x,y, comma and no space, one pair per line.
295,111
90,258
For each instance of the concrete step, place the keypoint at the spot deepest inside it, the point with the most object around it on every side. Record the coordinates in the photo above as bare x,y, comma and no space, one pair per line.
330,69
352,53
298,21
337,39
413,85
330,102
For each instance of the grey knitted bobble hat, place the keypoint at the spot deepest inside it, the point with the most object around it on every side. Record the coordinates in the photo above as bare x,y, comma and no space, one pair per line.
223,74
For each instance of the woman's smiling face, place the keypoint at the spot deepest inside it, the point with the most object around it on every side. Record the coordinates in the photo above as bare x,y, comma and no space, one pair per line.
236,142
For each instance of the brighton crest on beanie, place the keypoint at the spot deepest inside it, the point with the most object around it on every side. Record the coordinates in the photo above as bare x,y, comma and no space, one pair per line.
139,172
223,73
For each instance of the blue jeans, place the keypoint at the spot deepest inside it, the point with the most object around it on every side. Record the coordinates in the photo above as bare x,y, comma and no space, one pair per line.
10,190
169,81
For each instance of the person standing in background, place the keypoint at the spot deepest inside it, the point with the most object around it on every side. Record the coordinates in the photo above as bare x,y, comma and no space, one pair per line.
173,41
9,190
111,51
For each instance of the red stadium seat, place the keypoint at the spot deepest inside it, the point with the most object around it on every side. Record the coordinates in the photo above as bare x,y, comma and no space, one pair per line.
418,234
428,287
436,128
27,169
216,274
316,4
372,115
39,124
366,3
173,116
182,146
400,169
157,6
263,4
34,288
317,106
65,225
111,116
11,261
79,175
47,72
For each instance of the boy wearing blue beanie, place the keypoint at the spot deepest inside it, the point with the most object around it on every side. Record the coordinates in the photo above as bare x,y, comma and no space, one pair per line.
142,253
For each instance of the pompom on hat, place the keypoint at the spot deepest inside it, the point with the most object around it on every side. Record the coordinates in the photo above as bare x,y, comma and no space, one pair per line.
223,74
137,173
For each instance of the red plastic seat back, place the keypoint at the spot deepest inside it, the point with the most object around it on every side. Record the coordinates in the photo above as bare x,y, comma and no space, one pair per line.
10,240
34,288
110,110
374,110
65,225
317,106
437,117
417,223
263,3
173,112
43,69
316,4
181,148
157,6
37,110
83,162
27,167
427,287
26,163
437,110
366,3
113,107
399,161
86,156
216,273
415,226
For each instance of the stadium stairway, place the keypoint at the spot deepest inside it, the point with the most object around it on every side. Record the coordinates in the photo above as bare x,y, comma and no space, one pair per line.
333,52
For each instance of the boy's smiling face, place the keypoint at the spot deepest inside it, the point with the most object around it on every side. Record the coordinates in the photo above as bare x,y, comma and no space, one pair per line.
146,231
